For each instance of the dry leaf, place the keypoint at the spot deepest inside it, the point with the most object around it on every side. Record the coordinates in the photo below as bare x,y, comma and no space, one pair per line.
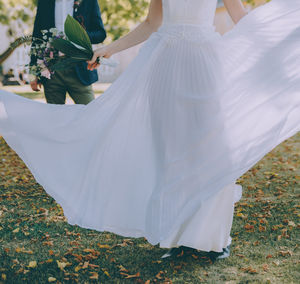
51,279
103,246
122,268
265,267
32,264
16,230
133,276
94,275
62,265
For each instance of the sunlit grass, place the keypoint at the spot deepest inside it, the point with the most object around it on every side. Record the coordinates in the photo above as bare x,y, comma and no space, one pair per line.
265,234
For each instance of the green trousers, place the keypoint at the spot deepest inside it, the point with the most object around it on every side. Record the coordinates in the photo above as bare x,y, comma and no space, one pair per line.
66,81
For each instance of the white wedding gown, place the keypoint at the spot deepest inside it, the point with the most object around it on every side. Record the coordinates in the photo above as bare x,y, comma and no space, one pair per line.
158,154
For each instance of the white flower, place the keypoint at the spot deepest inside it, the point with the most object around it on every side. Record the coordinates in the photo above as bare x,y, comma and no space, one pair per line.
54,31
40,62
45,73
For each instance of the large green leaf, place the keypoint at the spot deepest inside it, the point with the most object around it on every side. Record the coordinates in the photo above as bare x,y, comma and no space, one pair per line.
70,50
77,34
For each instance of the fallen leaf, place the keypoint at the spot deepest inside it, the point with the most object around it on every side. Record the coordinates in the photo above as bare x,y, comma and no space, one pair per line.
106,273
51,279
265,267
62,265
32,264
16,230
103,246
94,275
285,253
262,228
133,276
249,269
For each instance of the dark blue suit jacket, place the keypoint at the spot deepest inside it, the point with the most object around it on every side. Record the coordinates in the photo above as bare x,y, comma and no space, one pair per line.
88,14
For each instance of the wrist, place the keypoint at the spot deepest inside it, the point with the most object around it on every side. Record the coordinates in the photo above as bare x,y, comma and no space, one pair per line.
111,49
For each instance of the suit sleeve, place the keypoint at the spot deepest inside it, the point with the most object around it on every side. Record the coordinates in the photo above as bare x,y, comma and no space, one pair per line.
36,31
96,32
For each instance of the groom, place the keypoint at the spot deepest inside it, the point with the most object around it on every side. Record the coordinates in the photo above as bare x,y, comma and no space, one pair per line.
76,81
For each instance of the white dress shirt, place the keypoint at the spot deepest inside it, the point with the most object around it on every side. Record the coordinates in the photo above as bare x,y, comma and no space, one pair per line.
63,8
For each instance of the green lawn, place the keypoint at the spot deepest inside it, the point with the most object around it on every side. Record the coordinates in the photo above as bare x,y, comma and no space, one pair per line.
40,95
38,246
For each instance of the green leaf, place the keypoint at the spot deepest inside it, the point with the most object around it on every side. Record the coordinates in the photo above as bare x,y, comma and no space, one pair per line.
70,50
77,34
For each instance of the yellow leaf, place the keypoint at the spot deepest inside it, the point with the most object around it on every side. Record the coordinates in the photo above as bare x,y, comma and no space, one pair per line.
18,250
51,279
3,276
32,264
61,265
133,276
77,268
103,246
94,275
16,230
106,273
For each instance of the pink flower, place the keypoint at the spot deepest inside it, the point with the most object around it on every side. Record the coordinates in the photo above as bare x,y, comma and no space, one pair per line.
60,54
51,54
46,73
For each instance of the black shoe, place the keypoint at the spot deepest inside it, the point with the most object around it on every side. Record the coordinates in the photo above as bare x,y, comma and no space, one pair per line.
220,255
173,252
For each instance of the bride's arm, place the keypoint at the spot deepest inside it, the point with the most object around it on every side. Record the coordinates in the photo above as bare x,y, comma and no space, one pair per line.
138,35
235,9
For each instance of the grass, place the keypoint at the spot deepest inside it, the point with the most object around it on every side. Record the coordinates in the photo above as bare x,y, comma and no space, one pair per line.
37,245
40,95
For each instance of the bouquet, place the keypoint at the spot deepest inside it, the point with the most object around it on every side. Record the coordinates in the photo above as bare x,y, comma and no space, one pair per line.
58,51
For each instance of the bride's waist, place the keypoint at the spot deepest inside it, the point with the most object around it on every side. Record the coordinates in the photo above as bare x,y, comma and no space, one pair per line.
188,31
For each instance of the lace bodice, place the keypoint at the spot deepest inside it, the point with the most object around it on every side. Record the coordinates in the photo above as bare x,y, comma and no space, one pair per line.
196,12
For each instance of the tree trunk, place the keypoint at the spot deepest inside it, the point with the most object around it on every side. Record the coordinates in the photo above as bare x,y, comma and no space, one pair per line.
19,41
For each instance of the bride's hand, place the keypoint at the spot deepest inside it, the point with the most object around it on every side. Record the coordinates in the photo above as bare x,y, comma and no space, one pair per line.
100,52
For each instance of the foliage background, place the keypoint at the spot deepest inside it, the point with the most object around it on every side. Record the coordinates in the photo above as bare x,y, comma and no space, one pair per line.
118,15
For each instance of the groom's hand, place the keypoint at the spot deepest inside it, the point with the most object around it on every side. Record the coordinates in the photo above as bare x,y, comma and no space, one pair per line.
35,86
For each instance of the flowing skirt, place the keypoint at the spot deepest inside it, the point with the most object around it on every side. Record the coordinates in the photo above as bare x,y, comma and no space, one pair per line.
157,155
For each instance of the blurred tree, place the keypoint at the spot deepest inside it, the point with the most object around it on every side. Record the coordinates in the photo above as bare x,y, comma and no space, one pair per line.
119,16
17,15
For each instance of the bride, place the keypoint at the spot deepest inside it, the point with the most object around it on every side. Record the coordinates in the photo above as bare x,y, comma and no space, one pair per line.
157,155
